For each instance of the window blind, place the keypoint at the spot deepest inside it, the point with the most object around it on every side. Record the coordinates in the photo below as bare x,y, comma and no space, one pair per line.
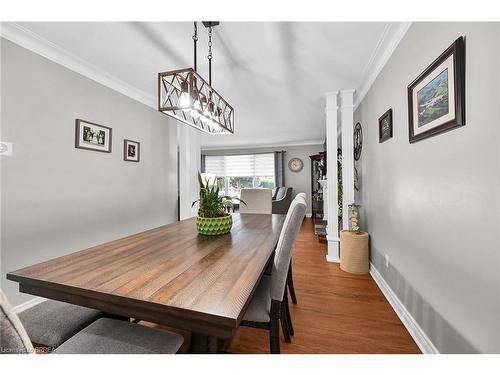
253,165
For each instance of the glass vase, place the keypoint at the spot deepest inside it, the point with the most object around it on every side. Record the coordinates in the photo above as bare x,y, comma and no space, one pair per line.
353,215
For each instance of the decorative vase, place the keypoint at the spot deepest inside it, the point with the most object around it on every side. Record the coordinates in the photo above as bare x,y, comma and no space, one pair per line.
353,215
214,226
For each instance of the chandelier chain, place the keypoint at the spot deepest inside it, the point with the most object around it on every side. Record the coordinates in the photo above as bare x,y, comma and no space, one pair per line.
195,35
195,39
209,43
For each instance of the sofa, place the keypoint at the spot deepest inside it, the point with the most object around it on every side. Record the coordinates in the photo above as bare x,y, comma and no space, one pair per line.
282,198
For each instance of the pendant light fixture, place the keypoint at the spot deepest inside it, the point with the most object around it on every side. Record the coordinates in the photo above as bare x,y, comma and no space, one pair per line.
184,95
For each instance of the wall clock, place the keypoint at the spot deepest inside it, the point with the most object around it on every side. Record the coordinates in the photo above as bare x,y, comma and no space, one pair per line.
358,141
295,165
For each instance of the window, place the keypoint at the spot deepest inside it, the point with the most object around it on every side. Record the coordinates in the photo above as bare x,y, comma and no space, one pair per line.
235,172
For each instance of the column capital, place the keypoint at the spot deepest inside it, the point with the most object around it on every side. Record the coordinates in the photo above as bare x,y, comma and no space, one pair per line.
332,93
331,101
347,97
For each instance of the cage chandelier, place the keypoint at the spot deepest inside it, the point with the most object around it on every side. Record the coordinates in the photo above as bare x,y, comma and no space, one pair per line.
184,95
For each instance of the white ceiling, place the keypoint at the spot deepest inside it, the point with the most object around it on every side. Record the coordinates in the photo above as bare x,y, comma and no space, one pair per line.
274,74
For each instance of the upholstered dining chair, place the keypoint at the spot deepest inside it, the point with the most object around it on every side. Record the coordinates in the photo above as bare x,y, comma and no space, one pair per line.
291,287
269,306
258,201
104,336
51,323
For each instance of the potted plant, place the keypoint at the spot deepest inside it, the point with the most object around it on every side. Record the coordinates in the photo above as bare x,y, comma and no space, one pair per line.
214,216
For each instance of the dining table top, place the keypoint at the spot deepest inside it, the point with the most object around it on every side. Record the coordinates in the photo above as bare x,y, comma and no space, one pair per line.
170,271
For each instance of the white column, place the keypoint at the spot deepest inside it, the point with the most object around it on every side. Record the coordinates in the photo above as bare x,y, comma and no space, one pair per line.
347,121
331,163
188,140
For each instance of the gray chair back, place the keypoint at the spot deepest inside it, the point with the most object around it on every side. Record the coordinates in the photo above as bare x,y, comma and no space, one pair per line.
13,336
303,195
284,249
258,201
295,200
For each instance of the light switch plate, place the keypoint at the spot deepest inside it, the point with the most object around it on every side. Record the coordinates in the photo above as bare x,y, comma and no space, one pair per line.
6,148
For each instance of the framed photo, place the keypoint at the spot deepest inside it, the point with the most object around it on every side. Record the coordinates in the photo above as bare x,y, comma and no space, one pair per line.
436,98
385,126
131,150
90,136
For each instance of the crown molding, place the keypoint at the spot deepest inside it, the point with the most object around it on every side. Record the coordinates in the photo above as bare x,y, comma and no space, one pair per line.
247,147
389,40
41,46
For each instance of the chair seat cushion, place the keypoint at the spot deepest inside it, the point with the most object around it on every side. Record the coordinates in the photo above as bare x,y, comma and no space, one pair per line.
260,307
109,336
51,323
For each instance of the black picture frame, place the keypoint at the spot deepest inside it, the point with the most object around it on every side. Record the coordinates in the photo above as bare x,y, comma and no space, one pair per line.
83,127
385,126
358,141
455,117
127,143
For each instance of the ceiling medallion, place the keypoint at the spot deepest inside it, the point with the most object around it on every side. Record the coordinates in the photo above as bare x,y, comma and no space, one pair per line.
184,95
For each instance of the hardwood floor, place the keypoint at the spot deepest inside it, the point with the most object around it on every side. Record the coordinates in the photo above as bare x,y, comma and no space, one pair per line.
336,312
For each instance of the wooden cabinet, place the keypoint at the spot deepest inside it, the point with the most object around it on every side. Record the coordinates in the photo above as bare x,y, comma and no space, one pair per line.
318,172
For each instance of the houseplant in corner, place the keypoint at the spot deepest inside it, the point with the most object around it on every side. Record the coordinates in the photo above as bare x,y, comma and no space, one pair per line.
213,217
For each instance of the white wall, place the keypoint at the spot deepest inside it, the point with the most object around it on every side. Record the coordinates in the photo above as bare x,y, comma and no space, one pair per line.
188,139
433,206
299,181
56,199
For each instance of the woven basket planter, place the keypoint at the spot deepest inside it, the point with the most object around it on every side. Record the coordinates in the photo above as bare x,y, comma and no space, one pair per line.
214,226
354,252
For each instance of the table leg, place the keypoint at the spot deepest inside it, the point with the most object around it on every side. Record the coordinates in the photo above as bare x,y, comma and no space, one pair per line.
201,343
212,346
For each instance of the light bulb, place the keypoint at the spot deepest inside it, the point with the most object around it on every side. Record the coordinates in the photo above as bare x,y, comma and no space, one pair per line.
185,99
197,107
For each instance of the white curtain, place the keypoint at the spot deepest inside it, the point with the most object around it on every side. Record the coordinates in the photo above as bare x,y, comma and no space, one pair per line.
253,165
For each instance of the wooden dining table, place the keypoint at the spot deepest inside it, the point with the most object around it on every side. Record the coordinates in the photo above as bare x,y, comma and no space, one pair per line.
169,275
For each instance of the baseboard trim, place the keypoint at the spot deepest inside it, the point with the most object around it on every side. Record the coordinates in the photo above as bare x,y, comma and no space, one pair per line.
309,215
332,259
414,329
28,304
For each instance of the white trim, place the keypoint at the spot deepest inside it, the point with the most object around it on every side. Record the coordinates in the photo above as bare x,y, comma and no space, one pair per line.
28,304
333,247
245,147
309,215
347,126
389,40
332,259
414,329
41,46
332,129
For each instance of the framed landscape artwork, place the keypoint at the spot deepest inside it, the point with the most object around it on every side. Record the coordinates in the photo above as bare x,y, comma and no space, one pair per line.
436,98
90,136
131,150
385,126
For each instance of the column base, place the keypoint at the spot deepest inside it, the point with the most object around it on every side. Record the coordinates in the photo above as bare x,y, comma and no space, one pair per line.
333,255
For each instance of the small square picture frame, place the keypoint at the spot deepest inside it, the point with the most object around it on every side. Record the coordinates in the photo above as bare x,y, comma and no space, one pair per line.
385,126
131,150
